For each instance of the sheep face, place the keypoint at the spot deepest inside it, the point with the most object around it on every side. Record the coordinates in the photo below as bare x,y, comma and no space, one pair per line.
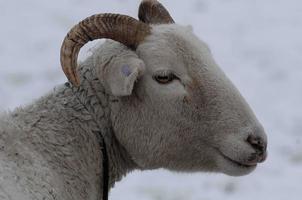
183,113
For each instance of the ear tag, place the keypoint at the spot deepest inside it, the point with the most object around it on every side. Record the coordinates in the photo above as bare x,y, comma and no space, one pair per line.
126,70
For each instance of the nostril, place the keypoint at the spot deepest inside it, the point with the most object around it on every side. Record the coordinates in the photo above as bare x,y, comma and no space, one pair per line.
257,143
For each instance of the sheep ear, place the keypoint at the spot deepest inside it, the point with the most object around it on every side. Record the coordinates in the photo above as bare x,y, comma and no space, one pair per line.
121,74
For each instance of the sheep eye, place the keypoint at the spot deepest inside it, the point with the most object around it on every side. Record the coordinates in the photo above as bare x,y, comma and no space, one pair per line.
164,78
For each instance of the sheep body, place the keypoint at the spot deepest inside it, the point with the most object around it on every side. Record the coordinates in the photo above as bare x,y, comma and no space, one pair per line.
44,158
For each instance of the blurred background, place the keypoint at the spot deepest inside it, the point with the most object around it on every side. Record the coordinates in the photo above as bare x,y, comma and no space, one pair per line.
258,43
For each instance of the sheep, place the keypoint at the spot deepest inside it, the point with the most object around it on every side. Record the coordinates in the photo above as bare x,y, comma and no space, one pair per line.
151,97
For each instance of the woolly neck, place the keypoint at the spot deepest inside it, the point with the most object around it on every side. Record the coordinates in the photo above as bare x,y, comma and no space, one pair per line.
93,96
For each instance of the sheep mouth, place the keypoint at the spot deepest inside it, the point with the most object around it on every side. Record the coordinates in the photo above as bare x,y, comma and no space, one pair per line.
237,163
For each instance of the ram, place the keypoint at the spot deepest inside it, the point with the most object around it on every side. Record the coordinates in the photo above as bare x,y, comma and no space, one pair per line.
151,97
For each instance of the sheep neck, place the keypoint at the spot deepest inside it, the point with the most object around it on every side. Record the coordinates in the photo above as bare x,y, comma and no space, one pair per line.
94,98
62,130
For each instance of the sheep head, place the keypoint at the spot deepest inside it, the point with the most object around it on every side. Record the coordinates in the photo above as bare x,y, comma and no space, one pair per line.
176,109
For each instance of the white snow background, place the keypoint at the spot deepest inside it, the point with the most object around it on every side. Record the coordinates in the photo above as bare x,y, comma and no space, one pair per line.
258,43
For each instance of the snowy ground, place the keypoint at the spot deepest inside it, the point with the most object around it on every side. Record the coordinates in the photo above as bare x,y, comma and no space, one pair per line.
258,43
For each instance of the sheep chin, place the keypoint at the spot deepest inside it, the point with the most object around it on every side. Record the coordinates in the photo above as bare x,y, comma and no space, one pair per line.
231,167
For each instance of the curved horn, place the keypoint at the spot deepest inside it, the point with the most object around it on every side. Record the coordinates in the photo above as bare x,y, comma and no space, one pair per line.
153,12
121,28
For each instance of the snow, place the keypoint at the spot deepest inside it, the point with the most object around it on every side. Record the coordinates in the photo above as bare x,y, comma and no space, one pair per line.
257,43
